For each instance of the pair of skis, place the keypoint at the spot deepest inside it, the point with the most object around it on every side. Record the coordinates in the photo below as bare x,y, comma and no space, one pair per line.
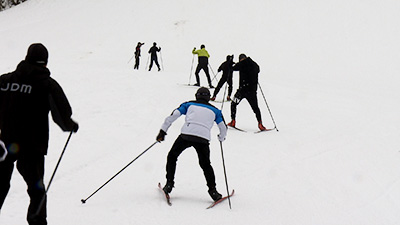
168,198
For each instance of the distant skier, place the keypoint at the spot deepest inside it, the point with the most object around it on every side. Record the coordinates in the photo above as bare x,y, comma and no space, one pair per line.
200,116
248,81
27,95
226,68
153,55
137,55
202,64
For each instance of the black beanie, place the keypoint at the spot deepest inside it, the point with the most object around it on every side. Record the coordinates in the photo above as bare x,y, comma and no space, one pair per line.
203,94
242,56
37,54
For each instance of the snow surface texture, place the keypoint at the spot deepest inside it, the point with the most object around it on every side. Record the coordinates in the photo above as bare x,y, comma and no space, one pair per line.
329,71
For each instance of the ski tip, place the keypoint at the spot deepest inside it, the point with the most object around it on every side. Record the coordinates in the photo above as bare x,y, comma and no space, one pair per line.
236,128
221,200
261,131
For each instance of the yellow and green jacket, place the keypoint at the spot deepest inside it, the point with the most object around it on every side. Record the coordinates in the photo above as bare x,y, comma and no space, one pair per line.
201,52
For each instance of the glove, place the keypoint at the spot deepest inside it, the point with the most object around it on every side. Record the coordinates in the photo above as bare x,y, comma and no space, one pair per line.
75,126
3,151
161,136
220,138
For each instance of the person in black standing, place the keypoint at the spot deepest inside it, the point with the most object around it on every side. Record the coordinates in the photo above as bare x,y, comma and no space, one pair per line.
226,68
137,55
153,56
27,95
248,82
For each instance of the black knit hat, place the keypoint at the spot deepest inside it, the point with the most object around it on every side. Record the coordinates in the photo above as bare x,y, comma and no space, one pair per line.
203,94
37,54
242,56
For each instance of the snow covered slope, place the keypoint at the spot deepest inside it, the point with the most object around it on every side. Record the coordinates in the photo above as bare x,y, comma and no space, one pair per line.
329,72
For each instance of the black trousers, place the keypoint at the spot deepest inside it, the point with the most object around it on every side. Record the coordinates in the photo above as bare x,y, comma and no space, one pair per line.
137,61
225,78
31,169
155,60
251,97
202,66
203,153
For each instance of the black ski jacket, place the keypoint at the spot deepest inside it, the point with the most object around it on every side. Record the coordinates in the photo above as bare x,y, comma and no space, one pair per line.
226,68
26,97
248,74
153,51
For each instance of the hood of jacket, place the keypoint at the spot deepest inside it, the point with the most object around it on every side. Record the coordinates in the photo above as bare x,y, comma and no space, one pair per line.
30,72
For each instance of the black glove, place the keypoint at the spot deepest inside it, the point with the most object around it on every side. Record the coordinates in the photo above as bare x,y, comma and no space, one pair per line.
75,126
161,136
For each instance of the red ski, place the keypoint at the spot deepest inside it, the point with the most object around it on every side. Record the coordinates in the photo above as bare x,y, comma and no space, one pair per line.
166,195
260,131
236,128
221,200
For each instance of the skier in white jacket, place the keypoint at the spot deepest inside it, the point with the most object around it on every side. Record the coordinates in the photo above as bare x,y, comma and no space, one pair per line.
200,117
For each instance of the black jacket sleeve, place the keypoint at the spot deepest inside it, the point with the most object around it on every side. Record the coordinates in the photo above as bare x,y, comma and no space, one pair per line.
60,108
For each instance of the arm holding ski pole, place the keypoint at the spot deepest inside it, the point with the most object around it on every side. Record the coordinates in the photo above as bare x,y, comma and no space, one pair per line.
167,123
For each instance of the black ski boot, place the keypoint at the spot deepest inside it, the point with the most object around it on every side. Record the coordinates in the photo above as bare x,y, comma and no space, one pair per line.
214,194
168,187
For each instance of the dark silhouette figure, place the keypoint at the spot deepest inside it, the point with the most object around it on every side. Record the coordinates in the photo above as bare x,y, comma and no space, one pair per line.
153,56
137,55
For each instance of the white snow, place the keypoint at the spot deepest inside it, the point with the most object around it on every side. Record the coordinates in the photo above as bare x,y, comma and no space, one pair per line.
329,72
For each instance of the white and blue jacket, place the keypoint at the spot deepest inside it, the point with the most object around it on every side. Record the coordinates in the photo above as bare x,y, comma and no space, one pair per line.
199,120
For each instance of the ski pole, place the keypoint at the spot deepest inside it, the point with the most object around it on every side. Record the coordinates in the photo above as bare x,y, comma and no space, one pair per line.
147,63
226,179
223,98
131,58
191,69
162,64
265,100
215,75
84,200
52,176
